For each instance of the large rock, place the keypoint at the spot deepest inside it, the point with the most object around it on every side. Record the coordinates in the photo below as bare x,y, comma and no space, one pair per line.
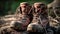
55,3
54,8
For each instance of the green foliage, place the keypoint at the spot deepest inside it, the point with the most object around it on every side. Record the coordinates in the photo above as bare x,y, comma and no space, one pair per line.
11,5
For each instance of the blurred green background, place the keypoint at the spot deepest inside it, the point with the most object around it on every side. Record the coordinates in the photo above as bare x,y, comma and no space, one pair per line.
9,6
